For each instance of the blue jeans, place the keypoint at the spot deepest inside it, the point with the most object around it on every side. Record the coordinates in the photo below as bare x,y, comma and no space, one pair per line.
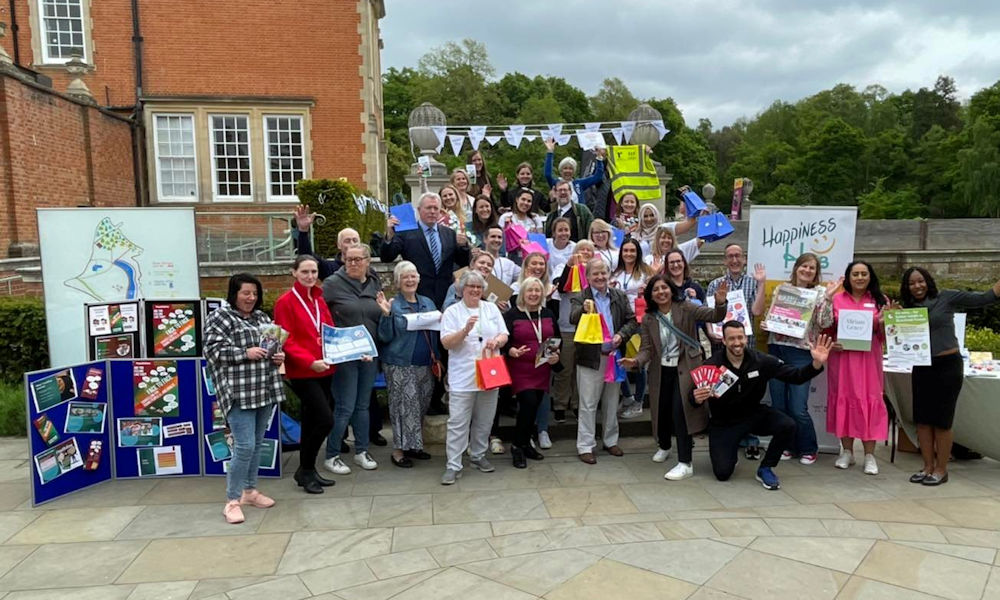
247,427
793,400
635,385
544,410
352,390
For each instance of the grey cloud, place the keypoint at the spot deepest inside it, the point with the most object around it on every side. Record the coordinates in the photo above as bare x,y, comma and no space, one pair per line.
721,59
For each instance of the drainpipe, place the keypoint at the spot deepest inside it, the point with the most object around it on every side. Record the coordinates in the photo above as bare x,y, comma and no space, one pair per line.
13,31
138,137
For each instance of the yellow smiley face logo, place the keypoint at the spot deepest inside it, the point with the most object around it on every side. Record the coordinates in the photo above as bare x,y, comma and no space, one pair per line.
825,239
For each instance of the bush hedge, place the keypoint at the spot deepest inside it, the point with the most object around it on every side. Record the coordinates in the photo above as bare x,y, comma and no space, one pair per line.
334,199
22,337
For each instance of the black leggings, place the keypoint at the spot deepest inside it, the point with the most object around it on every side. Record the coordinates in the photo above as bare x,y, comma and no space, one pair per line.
670,416
316,399
527,408
724,441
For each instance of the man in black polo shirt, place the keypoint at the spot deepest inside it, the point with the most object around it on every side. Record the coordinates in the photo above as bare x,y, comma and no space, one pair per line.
738,410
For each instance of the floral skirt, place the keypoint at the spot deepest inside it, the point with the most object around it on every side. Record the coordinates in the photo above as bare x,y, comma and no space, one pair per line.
410,390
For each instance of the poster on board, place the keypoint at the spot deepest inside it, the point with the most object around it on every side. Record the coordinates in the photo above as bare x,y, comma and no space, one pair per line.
780,234
109,255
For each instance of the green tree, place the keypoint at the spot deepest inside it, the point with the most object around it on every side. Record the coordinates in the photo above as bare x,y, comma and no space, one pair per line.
883,204
613,102
832,165
978,183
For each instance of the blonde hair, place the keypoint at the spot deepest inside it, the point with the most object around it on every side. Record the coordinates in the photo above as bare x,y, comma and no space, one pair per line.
530,281
524,277
598,226
664,231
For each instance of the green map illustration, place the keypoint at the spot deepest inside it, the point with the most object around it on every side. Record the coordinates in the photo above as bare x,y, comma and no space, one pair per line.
112,273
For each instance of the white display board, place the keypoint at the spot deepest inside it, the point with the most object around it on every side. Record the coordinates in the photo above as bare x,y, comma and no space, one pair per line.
106,255
780,234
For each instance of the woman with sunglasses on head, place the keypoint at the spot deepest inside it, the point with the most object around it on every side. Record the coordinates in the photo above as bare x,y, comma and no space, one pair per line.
936,387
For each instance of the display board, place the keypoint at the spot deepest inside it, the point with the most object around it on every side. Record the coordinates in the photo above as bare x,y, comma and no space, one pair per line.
103,255
69,429
114,330
215,435
173,328
780,234
156,426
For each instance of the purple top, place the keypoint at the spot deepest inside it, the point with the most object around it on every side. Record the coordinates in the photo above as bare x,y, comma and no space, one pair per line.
522,328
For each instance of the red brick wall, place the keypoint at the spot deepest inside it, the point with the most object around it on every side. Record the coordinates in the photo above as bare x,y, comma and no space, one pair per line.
43,158
254,47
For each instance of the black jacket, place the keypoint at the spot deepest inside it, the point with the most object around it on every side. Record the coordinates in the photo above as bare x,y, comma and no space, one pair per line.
412,246
741,400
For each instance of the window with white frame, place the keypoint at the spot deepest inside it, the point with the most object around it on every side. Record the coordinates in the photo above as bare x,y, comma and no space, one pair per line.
62,28
285,155
231,170
176,163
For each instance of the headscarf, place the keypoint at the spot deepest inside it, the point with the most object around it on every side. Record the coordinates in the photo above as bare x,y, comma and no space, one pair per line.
648,234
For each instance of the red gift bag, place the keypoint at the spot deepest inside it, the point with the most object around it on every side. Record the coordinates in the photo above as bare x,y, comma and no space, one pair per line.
492,373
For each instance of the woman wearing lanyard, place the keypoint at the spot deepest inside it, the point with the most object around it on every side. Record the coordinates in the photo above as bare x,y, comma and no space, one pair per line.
302,312
631,278
469,328
600,235
669,342
407,359
530,324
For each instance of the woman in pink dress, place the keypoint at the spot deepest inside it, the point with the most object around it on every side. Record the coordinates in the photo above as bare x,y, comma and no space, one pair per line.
854,400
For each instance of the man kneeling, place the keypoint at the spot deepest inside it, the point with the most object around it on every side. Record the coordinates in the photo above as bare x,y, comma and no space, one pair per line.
738,411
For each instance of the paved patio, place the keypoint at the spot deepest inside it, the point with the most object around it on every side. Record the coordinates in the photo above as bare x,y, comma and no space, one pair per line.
558,530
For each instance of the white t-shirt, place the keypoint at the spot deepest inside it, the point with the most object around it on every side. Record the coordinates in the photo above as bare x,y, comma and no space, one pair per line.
506,270
689,248
610,258
462,360
531,224
558,258
629,284
647,245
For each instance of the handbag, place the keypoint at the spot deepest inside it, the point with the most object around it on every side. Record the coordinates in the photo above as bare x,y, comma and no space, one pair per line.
492,373
589,330
437,367
576,280
513,236
614,372
693,203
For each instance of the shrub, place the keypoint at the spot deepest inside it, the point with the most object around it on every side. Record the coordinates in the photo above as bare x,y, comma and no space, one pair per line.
22,337
13,419
334,199
982,340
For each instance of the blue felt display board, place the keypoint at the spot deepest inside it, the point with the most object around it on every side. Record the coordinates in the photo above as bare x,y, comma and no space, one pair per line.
77,478
213,467
123,403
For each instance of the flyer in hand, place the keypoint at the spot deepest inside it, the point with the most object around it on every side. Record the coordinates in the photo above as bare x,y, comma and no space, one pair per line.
908,336
791,310
737,311
272,338
346,344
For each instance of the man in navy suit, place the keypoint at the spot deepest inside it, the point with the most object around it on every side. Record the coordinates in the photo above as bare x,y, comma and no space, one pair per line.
436,251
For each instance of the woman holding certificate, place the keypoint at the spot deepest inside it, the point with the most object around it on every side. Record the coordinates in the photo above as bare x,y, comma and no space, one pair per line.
471,329
352,294
302,312
793,399
855,408
408,359
247,385
936,387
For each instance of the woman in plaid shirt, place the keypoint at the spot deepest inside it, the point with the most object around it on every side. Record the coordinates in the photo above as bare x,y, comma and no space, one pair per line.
247,385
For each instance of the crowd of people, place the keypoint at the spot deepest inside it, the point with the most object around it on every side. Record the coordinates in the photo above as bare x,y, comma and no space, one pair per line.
656,322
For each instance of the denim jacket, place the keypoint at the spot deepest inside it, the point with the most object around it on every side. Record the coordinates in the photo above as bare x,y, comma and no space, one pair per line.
397,343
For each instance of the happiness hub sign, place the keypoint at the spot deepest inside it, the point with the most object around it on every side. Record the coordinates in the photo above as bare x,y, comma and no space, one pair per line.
780,234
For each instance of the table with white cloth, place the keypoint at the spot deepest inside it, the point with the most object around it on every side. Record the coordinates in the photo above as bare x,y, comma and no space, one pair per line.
977,417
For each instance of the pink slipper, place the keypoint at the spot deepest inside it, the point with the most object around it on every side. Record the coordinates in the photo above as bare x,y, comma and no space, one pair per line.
255,498
233,512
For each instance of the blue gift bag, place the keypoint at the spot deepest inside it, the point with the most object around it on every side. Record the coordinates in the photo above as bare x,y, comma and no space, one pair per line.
693,203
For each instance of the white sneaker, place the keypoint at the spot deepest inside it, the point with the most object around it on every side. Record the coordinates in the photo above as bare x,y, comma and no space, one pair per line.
544,441
336,466
845,459
786,455
871,467
632,411
807,459
661,455
496,446
365,461
681,471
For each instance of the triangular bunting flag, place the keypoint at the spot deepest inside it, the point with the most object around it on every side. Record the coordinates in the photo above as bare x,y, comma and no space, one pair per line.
591,126
563,139
439,131
456,143
514,135
359,202
530,137
476,135
493,139
617,132
556,129
660,127
627,128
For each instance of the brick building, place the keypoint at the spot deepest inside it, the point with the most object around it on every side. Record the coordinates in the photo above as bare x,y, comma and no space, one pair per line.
220,105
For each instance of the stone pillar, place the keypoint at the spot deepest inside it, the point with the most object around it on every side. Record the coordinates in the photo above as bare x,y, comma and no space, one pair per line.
646,134
426,122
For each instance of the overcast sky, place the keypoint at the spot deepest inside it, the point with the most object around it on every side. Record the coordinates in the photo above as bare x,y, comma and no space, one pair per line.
720,59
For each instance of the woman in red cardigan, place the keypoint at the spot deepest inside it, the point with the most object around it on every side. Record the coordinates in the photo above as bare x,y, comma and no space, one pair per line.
302,311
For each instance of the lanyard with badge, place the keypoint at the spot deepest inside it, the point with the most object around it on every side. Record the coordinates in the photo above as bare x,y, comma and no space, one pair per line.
313,317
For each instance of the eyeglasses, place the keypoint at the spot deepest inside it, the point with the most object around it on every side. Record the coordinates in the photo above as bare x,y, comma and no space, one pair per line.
355,259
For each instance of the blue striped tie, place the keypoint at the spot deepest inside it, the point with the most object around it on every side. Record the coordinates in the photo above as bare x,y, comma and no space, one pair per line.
432,241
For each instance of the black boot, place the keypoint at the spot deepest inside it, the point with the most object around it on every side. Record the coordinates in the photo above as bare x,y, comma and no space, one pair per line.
323,481
307,481
532,453
518,455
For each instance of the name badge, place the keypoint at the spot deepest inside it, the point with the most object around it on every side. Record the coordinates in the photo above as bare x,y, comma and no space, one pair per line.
752,374
868,305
